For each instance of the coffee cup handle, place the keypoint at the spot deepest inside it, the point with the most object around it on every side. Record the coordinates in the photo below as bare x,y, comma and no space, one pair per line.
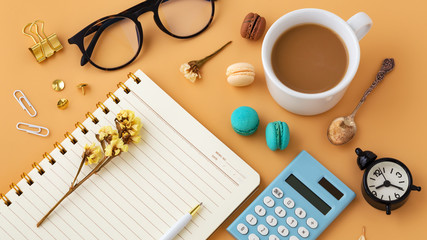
361,23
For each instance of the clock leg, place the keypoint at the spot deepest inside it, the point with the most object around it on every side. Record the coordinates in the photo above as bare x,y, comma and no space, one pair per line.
413,187
388,209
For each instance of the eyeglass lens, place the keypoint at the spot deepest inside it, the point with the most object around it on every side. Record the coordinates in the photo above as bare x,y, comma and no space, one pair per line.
185,17
114,42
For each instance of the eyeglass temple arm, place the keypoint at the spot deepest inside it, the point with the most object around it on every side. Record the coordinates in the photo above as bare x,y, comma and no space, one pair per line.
99,30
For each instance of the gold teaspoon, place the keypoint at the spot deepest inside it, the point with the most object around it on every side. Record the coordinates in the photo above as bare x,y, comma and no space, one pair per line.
342,129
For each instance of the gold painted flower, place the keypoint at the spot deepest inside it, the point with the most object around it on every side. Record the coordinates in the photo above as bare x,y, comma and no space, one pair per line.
191,70
108,134
129,126
115,147
92,154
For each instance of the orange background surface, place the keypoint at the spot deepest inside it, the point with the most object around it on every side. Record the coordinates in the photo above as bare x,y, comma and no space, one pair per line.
391,123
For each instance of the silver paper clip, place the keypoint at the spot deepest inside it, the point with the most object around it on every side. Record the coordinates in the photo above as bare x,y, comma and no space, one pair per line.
20,101
37,129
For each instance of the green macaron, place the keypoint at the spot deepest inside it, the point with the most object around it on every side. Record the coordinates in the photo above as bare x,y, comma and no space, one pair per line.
244,120
277,135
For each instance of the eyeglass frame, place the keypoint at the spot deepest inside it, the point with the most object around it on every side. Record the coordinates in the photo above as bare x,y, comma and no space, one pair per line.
132,14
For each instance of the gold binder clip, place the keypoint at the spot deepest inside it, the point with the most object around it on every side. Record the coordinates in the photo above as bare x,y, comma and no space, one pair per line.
45,46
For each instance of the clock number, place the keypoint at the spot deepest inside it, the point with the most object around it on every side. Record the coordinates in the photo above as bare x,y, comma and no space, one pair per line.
396,195
375,193
377,173
398,174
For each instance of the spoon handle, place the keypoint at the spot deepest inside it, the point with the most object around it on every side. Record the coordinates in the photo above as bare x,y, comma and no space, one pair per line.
387,66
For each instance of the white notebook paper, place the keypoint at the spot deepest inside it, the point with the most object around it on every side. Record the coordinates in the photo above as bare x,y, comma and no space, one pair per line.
141,193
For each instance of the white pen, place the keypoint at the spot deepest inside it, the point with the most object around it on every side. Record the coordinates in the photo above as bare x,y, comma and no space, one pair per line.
180,224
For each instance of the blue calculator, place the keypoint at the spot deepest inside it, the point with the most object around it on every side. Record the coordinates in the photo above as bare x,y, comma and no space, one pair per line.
299,204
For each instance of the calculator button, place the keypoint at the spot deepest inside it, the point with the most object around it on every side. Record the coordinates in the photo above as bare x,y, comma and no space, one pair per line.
260,210
272,221
277,192
263,230
268,201
300,212
273,237
280,211
242,228
292,222
289,203
253,237
303,232
251,219
312,223
282,230
293,238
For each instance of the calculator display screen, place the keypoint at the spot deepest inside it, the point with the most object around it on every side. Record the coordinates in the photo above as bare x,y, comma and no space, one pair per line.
302,189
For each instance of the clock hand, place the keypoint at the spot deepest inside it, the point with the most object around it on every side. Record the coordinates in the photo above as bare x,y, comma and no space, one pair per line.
382,174
396,187
380,186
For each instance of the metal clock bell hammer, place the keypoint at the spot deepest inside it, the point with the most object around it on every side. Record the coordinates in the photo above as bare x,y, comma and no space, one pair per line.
386,183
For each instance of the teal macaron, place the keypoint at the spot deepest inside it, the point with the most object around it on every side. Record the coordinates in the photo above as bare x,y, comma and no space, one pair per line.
277,135
244,120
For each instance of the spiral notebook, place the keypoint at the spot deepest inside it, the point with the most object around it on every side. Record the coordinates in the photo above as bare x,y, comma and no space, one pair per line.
141,193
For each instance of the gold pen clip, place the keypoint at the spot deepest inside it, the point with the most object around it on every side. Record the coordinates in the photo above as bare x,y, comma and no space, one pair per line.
44,46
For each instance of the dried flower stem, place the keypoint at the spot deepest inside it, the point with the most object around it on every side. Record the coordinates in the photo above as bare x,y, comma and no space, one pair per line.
128,127
98,167
202,61
78,172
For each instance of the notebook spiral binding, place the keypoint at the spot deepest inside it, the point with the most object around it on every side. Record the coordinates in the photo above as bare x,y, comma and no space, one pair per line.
112,96
82,127
94,119
39,169
71,137
60,147
5,199
103,107
68,135
27,178
16,188
49,158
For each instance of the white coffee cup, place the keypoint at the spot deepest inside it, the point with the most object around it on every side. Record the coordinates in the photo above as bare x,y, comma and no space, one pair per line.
351,32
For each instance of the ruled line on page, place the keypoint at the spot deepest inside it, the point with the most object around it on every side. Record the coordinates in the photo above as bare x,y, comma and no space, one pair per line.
185,139
168,162
173,142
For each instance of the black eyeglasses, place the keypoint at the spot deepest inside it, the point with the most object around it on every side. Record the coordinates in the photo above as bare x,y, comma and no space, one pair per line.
115,41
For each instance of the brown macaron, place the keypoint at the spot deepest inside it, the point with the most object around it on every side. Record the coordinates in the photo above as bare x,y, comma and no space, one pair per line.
253,26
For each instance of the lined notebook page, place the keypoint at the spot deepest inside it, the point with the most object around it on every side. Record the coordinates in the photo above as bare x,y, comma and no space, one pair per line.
139,194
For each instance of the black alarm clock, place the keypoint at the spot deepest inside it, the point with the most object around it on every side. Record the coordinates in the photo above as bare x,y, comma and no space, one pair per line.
386,183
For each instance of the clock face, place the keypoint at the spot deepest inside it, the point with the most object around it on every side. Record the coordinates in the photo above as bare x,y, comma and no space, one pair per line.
387,181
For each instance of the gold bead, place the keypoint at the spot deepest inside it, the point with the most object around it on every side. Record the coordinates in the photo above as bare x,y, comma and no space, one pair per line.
58,85
62,103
